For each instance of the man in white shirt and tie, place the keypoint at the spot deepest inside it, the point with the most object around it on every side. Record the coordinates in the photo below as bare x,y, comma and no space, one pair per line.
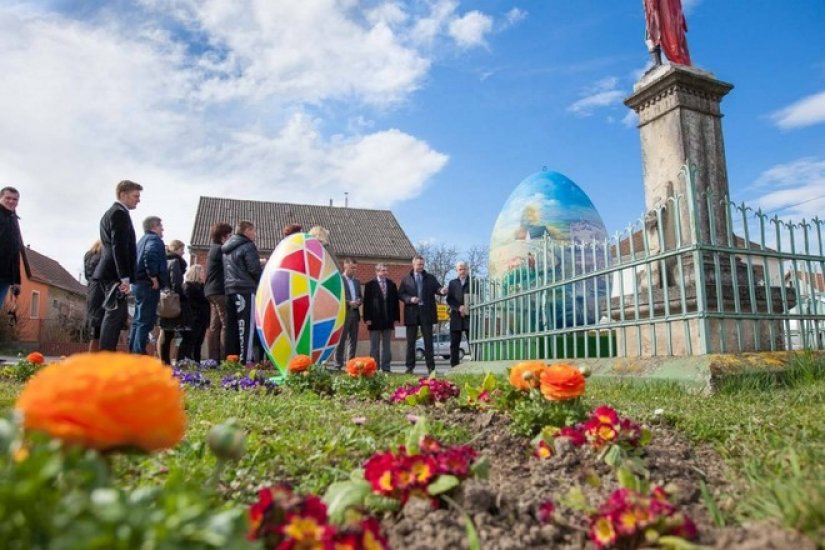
349,335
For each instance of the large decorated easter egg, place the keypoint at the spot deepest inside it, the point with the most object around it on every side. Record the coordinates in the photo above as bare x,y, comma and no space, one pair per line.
300,304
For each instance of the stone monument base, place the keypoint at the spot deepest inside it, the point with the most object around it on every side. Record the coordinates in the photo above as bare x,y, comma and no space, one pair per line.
675,320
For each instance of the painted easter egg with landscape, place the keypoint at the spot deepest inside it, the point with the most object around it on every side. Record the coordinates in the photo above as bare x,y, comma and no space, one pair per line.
299,306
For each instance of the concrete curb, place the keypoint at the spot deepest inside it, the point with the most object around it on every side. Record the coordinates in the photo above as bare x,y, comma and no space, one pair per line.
700,373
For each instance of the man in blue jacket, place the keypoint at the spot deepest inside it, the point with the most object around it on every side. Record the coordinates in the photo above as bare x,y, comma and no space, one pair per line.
151,274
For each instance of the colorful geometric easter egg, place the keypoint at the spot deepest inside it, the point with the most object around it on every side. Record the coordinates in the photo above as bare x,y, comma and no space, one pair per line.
300,304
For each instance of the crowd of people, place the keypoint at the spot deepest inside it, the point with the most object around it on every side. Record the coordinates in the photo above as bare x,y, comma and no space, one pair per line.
215,303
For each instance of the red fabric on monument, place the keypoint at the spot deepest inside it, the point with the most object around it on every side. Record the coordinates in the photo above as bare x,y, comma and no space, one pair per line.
666,27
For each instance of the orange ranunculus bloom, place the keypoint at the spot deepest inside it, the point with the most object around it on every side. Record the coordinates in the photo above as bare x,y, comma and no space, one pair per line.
560,382
299,363
35,357
361,366
233,358
106,400
525,375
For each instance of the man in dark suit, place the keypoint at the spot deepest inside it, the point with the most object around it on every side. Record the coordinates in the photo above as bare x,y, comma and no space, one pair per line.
352,291
459,320
380,315
116,269
418,291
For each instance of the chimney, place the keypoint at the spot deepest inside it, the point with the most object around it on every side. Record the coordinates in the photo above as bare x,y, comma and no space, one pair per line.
346,199
330,202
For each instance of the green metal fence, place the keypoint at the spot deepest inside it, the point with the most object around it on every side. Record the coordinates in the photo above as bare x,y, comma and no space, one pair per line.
698,274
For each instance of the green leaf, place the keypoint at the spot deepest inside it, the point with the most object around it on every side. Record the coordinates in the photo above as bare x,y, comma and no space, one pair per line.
342,495
645,437
414,436
380,503
357,474
627,480
614,456
575,499
670,542
442,484
472,535
489,382
481,468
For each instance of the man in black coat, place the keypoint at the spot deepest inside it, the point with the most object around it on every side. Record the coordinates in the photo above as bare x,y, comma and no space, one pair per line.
116,269
241,272
380,315
459,318
11,243
418,291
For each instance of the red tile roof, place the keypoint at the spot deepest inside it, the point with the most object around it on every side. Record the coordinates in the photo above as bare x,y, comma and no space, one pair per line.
358,232
48,271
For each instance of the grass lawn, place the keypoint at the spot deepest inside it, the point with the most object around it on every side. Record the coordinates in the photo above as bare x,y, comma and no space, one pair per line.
770,433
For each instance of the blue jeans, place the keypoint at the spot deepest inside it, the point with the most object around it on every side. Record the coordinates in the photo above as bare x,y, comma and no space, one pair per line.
146,313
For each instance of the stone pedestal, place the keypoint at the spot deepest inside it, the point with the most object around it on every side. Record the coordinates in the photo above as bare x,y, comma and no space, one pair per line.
670,332
680,120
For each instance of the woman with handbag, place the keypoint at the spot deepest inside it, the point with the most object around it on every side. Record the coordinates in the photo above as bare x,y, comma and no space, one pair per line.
182,323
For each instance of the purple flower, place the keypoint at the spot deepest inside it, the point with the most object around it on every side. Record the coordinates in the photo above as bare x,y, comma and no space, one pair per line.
241,382
209,364
193,379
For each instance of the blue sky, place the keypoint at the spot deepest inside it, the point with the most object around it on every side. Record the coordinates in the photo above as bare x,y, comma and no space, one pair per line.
434,109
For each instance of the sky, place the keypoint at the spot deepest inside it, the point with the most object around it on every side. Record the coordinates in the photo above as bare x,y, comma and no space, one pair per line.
434,109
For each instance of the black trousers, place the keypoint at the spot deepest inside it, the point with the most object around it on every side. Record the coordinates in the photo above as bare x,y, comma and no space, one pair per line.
348,335
240,326
412,336
455,344
114,320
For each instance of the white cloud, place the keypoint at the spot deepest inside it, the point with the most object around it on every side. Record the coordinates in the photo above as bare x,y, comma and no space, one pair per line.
797,189
426,29
470,29
807,111
602,93
689,5
630,119
125,96
514,16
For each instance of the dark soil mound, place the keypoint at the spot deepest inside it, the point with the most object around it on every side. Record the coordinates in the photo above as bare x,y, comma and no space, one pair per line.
504,507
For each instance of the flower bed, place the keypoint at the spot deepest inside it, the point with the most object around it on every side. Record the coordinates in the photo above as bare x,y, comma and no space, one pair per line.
606,477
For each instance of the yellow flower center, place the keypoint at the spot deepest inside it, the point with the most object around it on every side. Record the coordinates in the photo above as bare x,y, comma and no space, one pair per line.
305,530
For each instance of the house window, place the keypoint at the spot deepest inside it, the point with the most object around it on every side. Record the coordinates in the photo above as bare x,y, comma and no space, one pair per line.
35,305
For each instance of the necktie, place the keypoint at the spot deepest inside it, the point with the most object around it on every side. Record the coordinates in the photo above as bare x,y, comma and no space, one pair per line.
418,287
383,287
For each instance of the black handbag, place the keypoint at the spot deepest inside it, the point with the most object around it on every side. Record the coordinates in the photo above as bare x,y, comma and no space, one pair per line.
169,304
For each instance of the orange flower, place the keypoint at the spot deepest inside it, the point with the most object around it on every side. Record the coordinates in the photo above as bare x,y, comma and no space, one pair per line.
105,401
361,366
299,363
525,375
35,357
233,358
561,382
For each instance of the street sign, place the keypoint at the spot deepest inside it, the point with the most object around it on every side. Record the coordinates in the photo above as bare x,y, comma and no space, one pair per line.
443,312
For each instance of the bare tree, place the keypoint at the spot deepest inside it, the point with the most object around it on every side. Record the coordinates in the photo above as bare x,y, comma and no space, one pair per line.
476,257
440,258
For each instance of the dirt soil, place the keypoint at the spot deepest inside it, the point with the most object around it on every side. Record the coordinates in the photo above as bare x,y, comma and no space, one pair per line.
504,507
